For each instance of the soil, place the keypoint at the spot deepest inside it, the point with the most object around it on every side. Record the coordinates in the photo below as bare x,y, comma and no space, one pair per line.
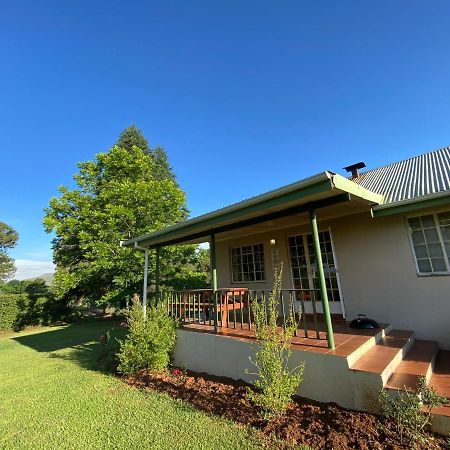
307,422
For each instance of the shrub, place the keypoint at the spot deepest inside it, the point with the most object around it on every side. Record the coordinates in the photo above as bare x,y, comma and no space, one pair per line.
10,308
410,411
34,305
149,339
275,381
108,353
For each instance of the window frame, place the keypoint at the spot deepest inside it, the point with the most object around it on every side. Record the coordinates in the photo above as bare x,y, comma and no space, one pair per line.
252,245
437,223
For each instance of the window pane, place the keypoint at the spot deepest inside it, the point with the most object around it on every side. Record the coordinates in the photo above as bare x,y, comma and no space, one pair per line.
444,218
445,233
421,251
438,265
428,221
424,265
415,223
418,237
431,235
435,250
447,249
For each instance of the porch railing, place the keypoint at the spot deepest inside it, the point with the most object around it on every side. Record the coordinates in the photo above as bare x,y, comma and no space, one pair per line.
234,308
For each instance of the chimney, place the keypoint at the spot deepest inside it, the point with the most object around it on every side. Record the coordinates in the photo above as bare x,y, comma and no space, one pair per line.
354,168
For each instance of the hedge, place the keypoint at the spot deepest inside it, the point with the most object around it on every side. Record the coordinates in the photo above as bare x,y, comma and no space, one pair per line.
11,305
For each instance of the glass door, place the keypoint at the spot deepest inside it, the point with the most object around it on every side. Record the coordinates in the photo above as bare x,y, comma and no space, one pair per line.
304,268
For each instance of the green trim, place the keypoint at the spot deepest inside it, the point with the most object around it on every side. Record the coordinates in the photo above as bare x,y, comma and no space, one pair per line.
189,228
328,201
408,206
145,284
323,285
314,185
157,274
213,264
237,215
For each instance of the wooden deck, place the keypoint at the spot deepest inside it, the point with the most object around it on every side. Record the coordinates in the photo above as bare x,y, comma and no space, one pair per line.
347,340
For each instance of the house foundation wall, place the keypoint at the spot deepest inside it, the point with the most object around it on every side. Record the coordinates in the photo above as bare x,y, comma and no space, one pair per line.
326,378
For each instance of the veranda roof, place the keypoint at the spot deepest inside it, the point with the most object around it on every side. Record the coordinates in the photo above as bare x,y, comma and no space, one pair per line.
323,189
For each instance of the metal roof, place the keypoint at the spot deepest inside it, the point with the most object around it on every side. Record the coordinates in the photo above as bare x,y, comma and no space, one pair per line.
413,180
420,176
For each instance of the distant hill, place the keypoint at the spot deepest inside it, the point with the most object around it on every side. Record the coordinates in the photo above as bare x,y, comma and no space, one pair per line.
47,277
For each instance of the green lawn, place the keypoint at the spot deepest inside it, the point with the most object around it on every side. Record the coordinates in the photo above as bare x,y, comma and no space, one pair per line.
52,395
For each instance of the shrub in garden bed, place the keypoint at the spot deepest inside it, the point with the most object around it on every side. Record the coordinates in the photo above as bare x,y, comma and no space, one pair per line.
409,412
276,383
108,359
149,339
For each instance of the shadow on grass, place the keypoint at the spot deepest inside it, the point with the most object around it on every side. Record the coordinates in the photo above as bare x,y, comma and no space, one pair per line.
83,341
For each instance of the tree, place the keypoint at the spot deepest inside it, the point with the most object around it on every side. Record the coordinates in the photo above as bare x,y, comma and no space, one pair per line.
118,196
8,240
163,169
133,137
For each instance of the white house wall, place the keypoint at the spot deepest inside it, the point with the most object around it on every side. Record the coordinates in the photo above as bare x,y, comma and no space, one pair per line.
376,269
379,278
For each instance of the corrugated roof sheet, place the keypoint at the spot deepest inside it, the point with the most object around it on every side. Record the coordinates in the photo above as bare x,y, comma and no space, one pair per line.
415,177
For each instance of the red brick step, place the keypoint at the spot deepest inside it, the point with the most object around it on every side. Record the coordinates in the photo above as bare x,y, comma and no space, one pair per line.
440,380
384,357
417,363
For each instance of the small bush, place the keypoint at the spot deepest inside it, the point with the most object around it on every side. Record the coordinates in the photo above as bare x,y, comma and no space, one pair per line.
149,339
11,306
410,411
275,381
108,360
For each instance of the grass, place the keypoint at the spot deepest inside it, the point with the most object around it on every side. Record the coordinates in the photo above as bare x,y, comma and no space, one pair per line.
53,396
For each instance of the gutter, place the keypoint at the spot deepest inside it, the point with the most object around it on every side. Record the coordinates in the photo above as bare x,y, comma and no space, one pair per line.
307,182
412,204
317,185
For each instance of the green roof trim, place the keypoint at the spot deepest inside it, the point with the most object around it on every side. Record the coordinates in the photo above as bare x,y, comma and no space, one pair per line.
311,189
410,205
285,212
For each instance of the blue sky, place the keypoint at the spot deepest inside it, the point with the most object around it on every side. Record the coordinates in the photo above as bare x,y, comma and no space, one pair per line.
244,96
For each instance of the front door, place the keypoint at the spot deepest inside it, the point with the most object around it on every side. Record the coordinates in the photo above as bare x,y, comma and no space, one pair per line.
304,270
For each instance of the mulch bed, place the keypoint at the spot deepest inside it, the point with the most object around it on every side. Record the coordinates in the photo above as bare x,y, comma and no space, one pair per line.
318,425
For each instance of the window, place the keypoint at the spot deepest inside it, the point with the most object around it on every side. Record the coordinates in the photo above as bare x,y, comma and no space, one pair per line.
247,263
430,238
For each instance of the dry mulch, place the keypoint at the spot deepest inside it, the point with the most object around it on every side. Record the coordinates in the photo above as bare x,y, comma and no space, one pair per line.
307,422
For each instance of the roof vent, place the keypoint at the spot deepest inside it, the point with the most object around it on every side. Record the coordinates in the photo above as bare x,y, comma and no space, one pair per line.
354,168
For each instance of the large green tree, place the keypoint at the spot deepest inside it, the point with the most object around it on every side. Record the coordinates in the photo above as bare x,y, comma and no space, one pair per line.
8,240
133,137
118,195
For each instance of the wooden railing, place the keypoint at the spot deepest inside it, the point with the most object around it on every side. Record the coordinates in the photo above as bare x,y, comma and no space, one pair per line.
234,308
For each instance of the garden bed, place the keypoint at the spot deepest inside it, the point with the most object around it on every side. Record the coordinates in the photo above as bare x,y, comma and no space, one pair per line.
318,425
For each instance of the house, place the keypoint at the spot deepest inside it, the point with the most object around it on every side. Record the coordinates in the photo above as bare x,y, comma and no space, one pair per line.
375,243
